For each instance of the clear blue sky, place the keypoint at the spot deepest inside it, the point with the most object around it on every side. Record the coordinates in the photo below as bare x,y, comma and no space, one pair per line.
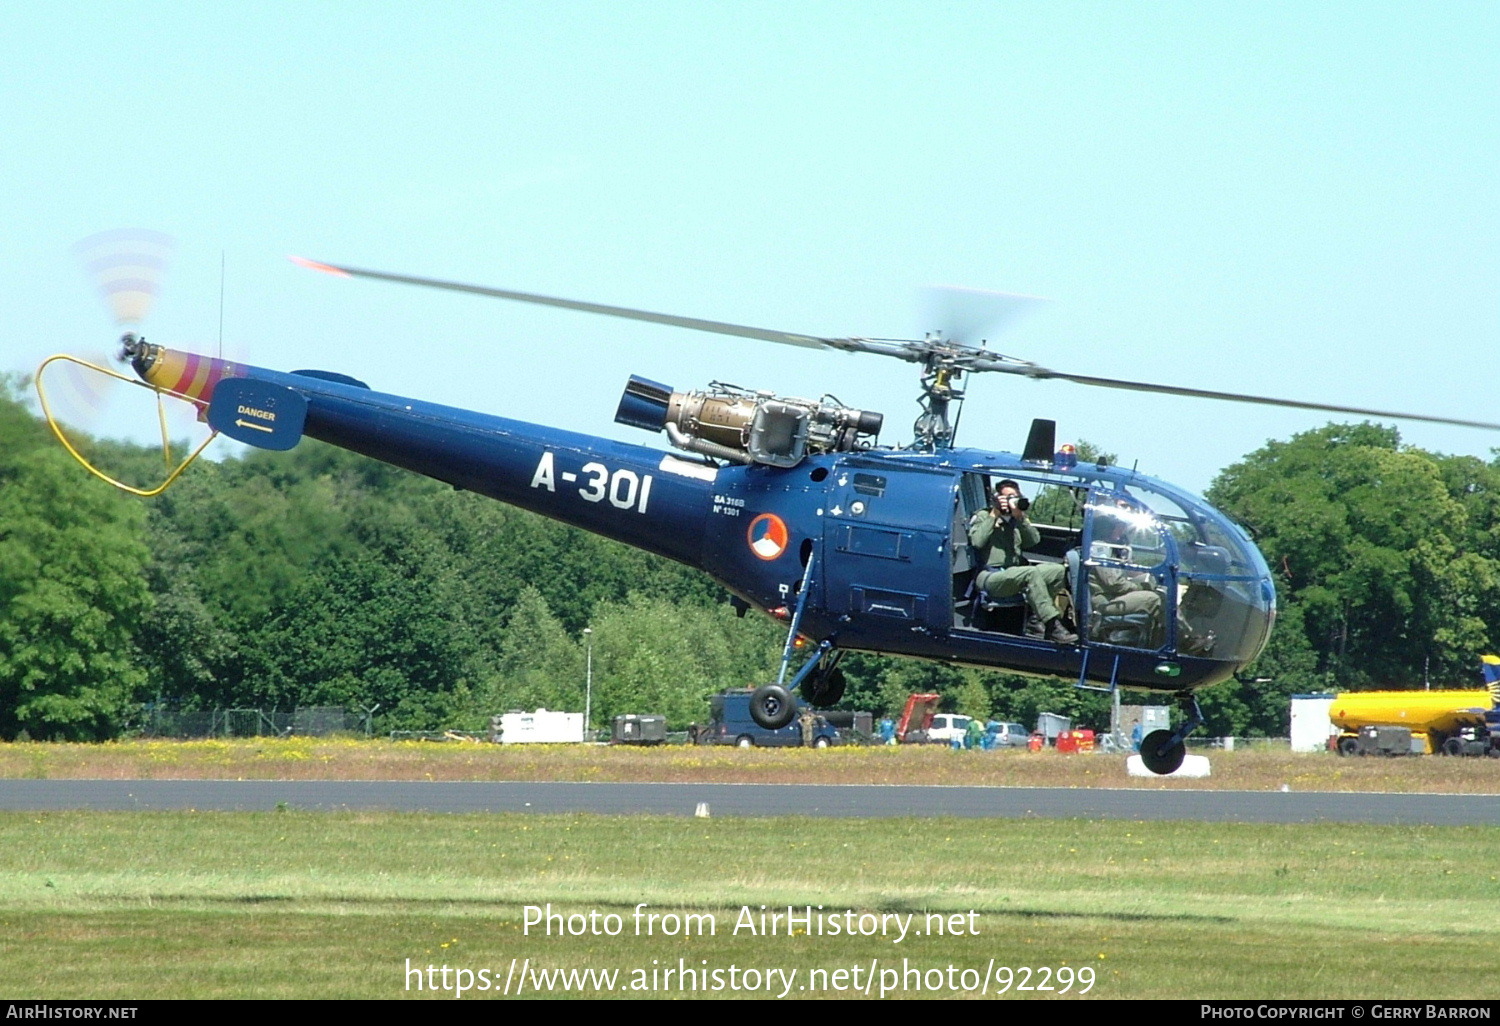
1290,198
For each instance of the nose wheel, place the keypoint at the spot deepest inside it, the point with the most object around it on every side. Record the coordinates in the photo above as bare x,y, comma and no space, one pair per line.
1163,751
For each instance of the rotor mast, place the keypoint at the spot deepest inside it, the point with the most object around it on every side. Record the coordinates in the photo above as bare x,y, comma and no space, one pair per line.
934,429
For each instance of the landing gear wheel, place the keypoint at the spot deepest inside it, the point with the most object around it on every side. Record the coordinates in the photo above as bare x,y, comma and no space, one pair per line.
1159,755
1348,746
772,707
824,689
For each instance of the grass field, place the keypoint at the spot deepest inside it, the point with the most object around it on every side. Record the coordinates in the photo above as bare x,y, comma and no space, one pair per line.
1259,768
292,904
308,905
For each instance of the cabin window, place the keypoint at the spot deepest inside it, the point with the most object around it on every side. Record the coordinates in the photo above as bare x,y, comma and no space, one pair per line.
1058,507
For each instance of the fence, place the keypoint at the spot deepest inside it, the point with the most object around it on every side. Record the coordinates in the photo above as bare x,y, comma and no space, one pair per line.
306,721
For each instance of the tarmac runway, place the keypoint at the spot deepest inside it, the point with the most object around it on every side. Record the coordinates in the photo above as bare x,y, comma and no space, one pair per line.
816,800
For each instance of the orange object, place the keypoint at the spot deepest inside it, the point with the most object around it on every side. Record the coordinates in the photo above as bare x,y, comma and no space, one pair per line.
1035,742
1075,741
918,714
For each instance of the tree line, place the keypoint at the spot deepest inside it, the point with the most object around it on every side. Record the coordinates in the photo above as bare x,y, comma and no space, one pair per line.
317,577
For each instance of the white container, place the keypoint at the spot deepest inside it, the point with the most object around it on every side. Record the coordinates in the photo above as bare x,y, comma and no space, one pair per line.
541,727
1311,727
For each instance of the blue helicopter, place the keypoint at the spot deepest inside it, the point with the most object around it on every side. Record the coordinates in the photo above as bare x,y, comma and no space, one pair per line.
795,509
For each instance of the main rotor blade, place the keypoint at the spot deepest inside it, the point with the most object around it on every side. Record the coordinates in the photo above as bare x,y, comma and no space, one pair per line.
1034,371
717,327
960,356
968,316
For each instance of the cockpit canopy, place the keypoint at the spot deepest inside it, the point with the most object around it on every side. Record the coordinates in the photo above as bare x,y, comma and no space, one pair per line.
1150,568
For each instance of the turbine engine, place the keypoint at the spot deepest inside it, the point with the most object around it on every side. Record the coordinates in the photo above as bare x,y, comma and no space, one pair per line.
732,423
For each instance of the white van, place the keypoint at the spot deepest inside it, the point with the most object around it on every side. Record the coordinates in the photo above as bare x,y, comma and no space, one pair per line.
947,728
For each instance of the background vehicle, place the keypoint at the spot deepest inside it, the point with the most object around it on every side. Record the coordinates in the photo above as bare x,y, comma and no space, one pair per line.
947,728
730,723
1006,735
1447,722
911,728
1416,722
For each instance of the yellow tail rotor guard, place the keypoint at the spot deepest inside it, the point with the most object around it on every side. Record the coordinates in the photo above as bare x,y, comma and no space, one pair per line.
166,445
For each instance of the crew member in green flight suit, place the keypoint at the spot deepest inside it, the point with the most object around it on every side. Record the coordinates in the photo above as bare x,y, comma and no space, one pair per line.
999,535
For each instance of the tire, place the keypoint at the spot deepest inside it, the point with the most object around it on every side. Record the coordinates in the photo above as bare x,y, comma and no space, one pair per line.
1348,746
1453,746
821,742
772,707
824,689
1159,756
745,741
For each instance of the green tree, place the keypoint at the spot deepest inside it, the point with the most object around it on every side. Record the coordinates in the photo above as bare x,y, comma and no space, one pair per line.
539,666
1377,546
972,697
72,589
657,657
390,623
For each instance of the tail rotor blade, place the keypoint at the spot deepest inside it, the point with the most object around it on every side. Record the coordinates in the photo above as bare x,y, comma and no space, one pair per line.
127,266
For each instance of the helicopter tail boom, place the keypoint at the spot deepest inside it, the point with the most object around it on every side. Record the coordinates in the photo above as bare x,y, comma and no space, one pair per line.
188,376
631,493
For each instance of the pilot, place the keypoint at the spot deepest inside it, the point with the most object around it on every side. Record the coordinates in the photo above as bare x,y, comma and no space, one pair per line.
1120,595
1115,592
999,534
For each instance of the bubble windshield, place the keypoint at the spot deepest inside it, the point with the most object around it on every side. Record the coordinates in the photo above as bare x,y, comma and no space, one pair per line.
1168,572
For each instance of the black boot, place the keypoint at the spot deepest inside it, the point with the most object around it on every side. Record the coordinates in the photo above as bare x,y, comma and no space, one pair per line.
1059,634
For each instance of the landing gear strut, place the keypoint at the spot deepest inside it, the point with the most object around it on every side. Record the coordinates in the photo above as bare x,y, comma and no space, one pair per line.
819,682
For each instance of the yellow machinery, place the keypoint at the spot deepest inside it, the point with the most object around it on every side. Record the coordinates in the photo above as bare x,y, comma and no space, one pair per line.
1448,722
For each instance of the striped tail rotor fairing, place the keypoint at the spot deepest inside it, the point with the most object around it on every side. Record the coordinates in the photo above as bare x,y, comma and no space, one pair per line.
189,375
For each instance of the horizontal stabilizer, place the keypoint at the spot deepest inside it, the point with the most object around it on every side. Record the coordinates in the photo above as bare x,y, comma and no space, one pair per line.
258,413
322,375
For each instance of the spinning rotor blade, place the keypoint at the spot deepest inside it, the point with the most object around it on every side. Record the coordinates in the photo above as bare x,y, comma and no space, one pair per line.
717,327
968,307
127,266
967,316
1032,370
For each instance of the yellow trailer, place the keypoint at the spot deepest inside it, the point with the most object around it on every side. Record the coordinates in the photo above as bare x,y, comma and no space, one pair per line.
1402,722
1432,717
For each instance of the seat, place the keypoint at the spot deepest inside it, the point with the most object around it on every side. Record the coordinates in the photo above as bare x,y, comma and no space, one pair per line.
1001,615
1110,622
